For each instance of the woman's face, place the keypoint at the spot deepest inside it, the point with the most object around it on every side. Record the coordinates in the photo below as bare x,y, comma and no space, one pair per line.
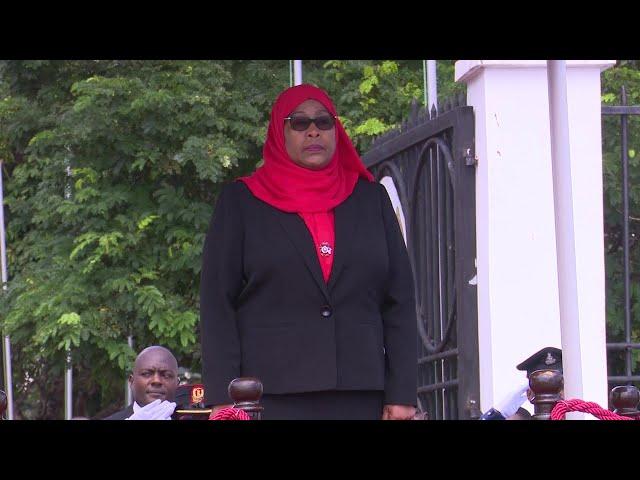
311,148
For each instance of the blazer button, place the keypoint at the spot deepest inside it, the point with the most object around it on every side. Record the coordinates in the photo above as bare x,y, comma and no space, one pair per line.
325,311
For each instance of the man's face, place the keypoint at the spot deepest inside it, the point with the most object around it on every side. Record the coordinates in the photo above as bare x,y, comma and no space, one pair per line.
155,376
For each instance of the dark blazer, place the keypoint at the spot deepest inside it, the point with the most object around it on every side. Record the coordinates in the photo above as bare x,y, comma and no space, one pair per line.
266,311
122,414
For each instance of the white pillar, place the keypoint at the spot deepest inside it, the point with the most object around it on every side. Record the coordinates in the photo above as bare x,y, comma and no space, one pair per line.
518,304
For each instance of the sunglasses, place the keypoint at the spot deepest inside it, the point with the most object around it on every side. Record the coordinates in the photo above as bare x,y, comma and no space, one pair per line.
300,123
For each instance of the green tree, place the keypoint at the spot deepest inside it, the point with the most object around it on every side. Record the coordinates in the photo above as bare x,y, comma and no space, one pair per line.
113,169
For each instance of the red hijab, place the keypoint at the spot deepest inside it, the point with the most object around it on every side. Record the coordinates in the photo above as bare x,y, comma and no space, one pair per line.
289,187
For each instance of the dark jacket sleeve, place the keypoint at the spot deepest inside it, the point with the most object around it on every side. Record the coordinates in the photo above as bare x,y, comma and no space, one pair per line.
399,316
122,414
220,284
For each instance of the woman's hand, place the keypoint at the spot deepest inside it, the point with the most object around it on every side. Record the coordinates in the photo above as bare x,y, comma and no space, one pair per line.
398,412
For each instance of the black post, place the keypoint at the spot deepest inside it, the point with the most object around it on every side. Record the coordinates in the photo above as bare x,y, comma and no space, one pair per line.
465,264
546,386
246,393
624,400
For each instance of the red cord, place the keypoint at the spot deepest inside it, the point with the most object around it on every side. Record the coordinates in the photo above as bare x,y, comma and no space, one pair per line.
230,413
576,405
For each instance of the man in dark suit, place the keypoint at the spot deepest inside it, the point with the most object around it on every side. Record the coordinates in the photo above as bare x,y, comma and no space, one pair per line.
153,383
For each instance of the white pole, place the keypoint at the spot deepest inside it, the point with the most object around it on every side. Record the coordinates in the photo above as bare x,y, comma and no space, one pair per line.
297,72
291,73
565,238
432,85
68,376
68,388
8,383
127,388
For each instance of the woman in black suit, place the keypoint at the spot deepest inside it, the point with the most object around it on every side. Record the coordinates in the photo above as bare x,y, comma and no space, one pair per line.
306,282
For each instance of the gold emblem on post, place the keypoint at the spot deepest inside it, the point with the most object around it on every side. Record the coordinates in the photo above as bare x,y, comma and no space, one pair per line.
197,393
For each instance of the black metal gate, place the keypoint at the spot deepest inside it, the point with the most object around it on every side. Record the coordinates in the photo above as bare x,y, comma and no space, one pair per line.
622,344
431,162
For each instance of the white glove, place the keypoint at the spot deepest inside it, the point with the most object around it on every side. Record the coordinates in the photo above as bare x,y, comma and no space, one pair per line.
514,399
156,410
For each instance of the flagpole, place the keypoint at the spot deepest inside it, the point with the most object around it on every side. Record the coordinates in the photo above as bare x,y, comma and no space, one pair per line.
297,72
431,85
7,342
128,395
565,231
291,73
68,374
68,388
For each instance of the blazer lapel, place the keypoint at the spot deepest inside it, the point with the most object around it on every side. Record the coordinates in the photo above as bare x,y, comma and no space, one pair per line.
301,238
346,222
